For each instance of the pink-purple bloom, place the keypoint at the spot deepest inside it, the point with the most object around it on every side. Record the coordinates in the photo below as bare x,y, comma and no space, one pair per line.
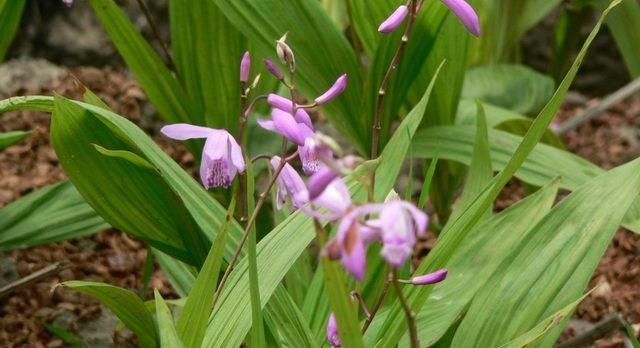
334,91
400,223
466,14
430,278
273,69
222,156
245,67
394,20
289,184
333,336
319,181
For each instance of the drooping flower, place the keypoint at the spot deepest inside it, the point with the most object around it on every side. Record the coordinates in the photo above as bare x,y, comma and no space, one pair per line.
222,156
245,67
335,198
285,104
333,336
334,91
311,154
394,20
289,184
400,223
283,123
319,181
430,278
466,14
273,69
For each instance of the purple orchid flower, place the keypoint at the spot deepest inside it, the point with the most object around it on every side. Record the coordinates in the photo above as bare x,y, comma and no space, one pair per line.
400,223
466,14
319,181
334,91
273,69
222,156
245,67
335,198
430,278
289,183
394,20
285,104
311,154
333,336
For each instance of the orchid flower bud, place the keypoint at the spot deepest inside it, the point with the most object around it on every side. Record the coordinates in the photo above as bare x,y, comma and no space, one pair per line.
273,69
466,14
430,278
335,90
285,53
333,337
245,66
394,20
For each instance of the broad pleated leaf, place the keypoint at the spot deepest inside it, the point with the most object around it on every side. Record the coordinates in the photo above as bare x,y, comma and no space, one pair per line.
570,240
624,24
50,214
154,77
207,50
126,305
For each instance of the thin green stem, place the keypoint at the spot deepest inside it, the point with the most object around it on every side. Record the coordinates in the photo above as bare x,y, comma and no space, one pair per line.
410,316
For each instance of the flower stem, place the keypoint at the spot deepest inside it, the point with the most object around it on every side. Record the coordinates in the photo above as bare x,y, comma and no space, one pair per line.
156,33
408,313
374,311
382,91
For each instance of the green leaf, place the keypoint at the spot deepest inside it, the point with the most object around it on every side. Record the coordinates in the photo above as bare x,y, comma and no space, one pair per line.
10,14
195,314
456,230
144,204
541,166
561,251
67,337
180,275
125,155
396,150
322,54
513,87
126,305
207,50
426,184
365,18
50,214
289,321
545,325
166,329
9,138
32,102
155,79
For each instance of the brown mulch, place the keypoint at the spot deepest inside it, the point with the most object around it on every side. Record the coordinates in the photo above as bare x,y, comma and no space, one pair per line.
110,256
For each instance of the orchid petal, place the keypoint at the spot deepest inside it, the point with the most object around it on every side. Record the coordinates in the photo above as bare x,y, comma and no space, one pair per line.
284,104
237,157
334,91
430,278
184,131
394,20
267,124
466,14
245,66
319,181
288,127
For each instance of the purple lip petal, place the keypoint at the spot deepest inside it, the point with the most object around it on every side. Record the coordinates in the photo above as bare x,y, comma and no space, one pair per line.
394,20
466,14
290,184
184,131
430,278
245,67
273,69
335,90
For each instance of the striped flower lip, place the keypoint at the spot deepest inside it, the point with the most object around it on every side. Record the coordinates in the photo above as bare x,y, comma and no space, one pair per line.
222,156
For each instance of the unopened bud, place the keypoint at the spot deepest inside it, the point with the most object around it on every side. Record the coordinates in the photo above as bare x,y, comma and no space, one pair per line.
255,82
273,69
245,67
285,53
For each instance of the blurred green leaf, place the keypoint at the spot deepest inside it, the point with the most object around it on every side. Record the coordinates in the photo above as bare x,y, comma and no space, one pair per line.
10,14
154,77
366,16
166,329
126,305
66,336
50,214
513,87
9,138
563,249
207,50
